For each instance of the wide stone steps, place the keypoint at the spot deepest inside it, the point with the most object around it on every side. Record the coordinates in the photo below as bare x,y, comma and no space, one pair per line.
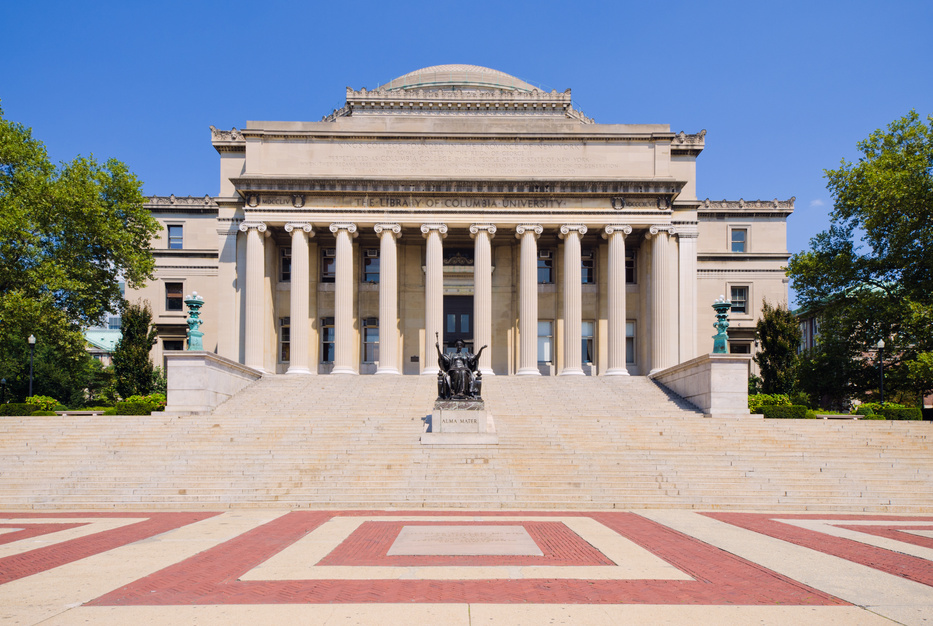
353,442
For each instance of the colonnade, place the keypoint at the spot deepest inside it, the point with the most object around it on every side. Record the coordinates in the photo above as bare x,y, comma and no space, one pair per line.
670,292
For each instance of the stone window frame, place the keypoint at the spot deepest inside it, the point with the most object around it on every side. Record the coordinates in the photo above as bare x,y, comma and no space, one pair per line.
326,276
370,342
630,339
588,258
285,264
169,238
747,229
588,342
180,307
631,269
740,347
747,313
547,255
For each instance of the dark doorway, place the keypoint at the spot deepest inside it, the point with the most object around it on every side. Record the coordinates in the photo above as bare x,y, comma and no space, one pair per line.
458,321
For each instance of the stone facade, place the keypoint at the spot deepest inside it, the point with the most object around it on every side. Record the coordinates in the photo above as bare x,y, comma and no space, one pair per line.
461,201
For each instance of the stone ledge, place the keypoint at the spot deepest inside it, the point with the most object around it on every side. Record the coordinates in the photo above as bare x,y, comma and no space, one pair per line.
717,384
199,381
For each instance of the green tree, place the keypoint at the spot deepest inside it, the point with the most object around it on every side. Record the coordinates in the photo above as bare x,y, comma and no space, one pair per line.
67,233
870,289
132,368
778,333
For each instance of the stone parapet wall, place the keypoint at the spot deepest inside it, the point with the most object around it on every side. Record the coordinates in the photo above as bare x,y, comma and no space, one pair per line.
716,383
199,381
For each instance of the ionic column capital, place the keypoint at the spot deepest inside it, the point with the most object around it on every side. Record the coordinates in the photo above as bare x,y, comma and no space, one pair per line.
392,229
260,226
440,228
489,228
305,226
660,228
347,226
535,229
611,229
566,229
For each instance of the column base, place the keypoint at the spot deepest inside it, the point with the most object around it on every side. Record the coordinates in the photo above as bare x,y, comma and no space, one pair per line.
299,370
616,371
572,371
486,371
343,369
388,370
430,371
528,371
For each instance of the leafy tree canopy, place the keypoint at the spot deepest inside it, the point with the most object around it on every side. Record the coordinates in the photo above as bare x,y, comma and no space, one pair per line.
778,331
133,370
68,233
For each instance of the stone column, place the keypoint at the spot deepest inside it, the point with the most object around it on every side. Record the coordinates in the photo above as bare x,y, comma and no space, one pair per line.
528,300
255,299
388,298
482,294
433,293
661,306
687,251
345,358
615,234
299,362
573,300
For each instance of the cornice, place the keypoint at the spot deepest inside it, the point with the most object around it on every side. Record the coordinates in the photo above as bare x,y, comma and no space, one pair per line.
279,185
746,208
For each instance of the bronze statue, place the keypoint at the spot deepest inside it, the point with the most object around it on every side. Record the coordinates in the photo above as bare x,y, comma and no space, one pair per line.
459,377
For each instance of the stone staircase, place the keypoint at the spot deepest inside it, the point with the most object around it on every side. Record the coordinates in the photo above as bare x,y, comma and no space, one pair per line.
565,442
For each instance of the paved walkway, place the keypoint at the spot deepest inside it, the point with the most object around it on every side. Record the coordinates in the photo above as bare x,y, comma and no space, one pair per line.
455,567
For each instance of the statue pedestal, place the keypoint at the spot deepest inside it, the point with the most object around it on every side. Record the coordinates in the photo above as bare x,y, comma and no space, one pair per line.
461,423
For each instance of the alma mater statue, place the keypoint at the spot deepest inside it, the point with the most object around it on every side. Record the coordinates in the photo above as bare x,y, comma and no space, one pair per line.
459,377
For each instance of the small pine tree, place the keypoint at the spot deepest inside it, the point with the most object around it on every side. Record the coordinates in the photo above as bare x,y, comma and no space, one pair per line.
133,370
778,332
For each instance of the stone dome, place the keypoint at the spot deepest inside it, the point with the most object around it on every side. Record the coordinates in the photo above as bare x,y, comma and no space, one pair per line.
457,77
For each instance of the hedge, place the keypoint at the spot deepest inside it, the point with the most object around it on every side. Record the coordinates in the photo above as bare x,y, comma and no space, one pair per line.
133,408
42,413
758,400
795,411
893,413
16,408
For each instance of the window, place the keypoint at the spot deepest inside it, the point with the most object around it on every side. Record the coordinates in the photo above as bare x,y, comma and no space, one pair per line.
588,273
328,265
371,340
630,267
285,335
740,348
545,341
587,334
327,340
175,238
173,344
739,239
174,298
629,342
545,267
285,265
739,297
371,265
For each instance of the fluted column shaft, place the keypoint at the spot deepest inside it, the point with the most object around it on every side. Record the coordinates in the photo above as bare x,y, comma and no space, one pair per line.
660,299
528,300
255,300
687,251
433,293
345,357
482,293
299,359
573,296
388,298
616,236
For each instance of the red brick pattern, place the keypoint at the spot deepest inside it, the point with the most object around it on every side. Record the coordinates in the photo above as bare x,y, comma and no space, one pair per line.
898,534
368,545
903,565
211,577
29,530
45,558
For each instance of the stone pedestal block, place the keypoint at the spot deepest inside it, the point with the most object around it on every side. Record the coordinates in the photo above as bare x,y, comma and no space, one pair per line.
461,422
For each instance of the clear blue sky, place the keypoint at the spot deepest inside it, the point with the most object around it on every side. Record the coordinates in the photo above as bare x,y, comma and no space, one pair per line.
784,89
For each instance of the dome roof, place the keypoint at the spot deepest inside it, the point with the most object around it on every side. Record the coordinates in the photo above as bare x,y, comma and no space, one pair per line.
457,77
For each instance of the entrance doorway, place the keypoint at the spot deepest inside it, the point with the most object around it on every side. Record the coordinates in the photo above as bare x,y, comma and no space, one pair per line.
458,321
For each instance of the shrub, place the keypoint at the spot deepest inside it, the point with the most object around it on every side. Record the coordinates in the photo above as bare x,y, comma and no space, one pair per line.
799,397
897,413
42,413
872,416
42,403
877,406
133,408
155,401
110,411
795,411
758,400
16,408
865,409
